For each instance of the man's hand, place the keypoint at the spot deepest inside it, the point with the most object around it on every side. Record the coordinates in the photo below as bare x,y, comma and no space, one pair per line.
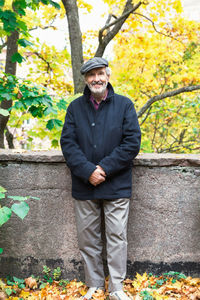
98,176
100,168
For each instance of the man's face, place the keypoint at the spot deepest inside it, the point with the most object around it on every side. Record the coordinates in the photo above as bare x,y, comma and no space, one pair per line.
97,80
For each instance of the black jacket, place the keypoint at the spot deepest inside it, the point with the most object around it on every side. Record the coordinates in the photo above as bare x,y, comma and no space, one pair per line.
109,137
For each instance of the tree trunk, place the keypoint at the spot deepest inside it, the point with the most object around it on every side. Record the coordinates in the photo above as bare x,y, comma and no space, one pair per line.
9,138
75,37
10,68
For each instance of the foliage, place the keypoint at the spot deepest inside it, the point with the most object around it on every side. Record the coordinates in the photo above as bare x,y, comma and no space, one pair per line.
14,283
38,130
50,67
26,95
148,63
156,51
57,273
11,14
30,101
48,127
20,208
49,275
171,285
54,63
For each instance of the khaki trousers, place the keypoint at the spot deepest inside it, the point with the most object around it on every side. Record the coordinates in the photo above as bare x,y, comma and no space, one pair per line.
88,221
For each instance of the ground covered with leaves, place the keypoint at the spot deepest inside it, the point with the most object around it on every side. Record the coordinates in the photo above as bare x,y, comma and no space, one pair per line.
171,285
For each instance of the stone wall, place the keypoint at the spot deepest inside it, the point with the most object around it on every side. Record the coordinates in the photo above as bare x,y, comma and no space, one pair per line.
164,221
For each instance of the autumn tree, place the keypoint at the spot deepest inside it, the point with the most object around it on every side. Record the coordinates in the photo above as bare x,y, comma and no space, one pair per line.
14,32
160,72
165,44
138,30
114,23
105,35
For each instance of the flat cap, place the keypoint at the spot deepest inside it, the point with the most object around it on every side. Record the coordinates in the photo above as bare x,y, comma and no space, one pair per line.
92,63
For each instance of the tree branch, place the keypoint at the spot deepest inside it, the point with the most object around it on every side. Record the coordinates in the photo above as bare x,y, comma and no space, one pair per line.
43,28
104,40
154,26
166,95
147,114
46,27
49,68
117,20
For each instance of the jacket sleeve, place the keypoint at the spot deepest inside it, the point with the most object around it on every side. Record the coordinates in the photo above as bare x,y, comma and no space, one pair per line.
74,156
122,156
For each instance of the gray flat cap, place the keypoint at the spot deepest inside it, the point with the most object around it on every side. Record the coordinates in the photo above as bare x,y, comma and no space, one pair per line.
92,63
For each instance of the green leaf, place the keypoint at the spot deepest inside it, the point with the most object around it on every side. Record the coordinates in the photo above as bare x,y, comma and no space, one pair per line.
18,198
22,25
20,6
181,275
54,4
50,110
9,20
62,104
49,279
9,281
36,111
54,143
18,280
45,99
46,2
24,43
146,295
35,198
7,96
17,58
8,291
2,2
43,285
4,112
54,123
1,250
160,282
2,196
19,105
20,209
5,214
2,190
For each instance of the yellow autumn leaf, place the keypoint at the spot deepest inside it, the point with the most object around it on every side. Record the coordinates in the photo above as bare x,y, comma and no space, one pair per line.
156,296
141,278
82,291
194,281
178,6
24,294
15,90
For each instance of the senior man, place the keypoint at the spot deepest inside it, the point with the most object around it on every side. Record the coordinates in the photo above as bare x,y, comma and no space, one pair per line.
100,138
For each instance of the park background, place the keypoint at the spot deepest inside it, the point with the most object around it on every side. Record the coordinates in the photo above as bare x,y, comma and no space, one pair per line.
153,51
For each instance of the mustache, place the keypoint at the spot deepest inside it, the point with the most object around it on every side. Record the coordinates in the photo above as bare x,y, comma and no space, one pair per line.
96,82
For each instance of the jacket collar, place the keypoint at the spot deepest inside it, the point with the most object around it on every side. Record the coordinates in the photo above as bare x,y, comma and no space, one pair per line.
87,92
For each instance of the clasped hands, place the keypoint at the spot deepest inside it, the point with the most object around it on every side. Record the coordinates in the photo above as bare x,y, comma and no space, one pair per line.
98,176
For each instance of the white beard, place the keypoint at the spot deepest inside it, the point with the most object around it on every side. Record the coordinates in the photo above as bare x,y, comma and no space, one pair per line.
97,91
